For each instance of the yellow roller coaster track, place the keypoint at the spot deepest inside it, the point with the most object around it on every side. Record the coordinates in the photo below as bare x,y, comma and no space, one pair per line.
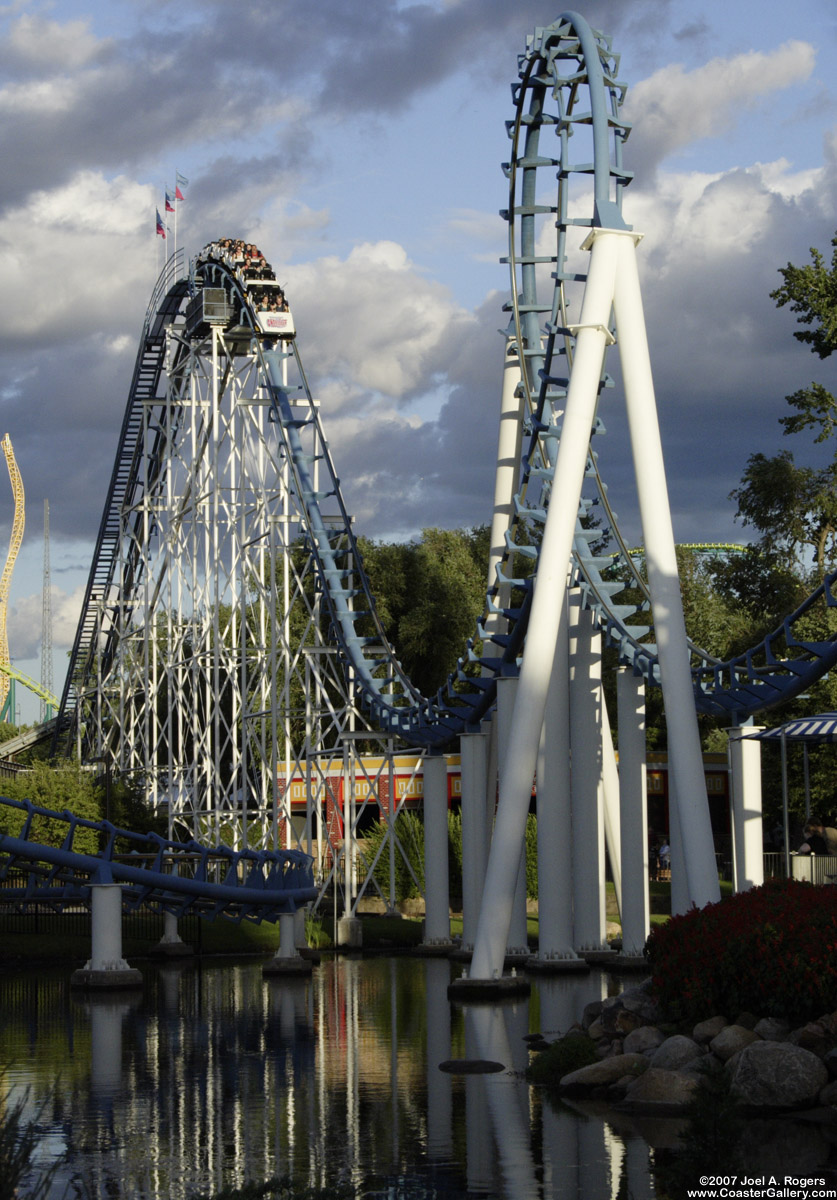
6,578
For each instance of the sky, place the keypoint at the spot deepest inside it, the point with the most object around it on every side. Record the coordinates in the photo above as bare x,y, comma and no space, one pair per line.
358,143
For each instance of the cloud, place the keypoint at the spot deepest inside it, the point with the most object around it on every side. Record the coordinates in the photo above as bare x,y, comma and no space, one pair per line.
24,621
674,107
375,319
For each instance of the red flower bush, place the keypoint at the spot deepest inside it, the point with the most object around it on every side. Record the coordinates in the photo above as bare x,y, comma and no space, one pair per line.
771,951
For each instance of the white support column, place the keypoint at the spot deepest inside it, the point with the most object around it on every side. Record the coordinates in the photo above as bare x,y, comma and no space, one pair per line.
633,812
685,758
745,781
517,944
287,960
473,748
171,945
611,810
587,786
518,769
106,968
555,825
436,888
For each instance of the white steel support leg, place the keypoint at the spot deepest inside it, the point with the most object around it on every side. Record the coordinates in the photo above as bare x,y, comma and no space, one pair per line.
685,758
106,968
517,943
106,921
518,768
555,826
748,835
612,822
633,811
436,897
680,902
473,748
587,785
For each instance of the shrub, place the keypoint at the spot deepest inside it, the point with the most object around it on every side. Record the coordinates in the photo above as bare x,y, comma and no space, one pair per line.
568,1054
771,950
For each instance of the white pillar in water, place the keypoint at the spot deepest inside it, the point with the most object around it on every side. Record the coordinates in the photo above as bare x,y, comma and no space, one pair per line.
612,282
555,826
517,943
518,768
473,749
106,968
633,811
611,808
436,886
685,755
587,783
745,781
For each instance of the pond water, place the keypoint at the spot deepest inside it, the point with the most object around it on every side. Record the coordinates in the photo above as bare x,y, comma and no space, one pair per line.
212,1076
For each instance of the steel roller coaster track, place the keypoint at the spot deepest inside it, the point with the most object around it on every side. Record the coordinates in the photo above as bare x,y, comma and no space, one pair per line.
568,91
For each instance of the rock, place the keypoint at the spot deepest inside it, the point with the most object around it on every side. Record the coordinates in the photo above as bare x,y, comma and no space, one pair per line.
591,1012
828,1095
644,1040
627,1021
730,1040
829,1024
674,1053
830,1063
707,1064
746,1019
776,1075
704,1031
811,1037
596,1029
638,1000
671,1090
772,1029
603,1073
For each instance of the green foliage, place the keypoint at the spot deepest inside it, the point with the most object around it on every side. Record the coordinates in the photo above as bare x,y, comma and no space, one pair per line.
531,857
58,786
771,950
709,1142
429,595
409,831
811,292
793,507
569,1053
454,853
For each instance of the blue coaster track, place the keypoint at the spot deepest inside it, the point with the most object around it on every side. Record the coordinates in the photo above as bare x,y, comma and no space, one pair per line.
567,88
175,877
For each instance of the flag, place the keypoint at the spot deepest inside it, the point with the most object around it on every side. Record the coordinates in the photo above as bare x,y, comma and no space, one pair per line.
178,195
181,179
161,229
169,203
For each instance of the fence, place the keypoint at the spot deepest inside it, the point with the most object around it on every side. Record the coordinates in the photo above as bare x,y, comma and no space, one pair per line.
142,928
811,868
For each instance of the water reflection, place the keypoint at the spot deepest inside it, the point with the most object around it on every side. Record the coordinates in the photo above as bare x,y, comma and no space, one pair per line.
212,1076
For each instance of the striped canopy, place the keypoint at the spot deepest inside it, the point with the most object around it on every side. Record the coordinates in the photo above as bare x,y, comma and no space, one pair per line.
820,728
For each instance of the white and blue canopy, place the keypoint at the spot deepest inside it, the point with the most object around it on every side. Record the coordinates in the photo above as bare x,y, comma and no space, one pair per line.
819,728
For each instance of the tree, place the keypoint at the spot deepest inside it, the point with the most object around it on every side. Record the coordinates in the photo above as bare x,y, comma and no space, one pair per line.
58,787
794,508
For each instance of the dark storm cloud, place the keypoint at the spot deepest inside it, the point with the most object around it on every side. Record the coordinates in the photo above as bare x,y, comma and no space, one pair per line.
216,72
